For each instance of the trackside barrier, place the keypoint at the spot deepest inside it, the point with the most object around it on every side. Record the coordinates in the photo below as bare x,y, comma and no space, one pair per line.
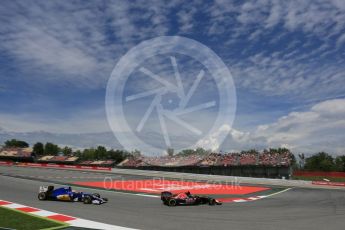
6,163
64,166
329,183
325,174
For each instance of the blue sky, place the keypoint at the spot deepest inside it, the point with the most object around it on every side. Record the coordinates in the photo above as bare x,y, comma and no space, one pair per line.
287,59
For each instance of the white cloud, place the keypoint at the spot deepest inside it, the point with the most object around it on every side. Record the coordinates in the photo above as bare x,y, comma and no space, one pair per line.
213,141
75,44
279,74
320,128
79,45
186,20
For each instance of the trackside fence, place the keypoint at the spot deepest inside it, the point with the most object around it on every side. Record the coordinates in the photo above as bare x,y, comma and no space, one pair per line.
245,171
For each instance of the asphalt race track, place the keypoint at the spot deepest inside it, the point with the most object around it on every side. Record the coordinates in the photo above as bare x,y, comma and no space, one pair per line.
298,208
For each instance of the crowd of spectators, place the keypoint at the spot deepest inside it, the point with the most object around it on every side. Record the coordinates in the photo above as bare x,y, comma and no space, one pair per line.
265,158
73,160
213,159
15,152
248,158
132,162
104,163
57,159
173,160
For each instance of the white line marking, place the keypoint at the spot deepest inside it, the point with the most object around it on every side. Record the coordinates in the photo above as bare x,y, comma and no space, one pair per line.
147,195
44,213
14,205
78,222
285,190
96,225
240,200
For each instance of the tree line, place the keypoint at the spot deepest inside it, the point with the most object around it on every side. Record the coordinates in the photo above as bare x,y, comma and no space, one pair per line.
42,149
322,161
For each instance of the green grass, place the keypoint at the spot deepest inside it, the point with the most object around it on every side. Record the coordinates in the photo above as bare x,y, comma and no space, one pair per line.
319,178
14,219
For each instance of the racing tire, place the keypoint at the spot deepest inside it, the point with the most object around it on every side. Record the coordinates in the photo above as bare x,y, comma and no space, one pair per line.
42,196
105,199
212,202
87,200
165,196
172,202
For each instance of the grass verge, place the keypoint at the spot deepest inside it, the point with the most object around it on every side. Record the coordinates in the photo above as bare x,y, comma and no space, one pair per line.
13,219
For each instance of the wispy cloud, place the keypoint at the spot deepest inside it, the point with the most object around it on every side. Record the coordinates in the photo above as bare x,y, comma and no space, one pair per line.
292,78
318,129
92,121
56,58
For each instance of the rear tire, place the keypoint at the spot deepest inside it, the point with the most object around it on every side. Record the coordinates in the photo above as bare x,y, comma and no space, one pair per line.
87,200
42,196
165,196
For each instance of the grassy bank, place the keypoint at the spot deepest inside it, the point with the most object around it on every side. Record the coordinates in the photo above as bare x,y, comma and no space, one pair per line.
13,219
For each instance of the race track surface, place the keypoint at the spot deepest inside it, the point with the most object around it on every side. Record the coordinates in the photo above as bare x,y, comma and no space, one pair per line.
297,208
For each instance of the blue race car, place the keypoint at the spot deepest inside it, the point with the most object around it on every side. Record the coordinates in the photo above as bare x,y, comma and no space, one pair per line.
67,194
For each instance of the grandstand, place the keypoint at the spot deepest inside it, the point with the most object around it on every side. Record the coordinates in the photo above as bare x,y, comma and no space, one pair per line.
16,154
265,164
173,160
74,160
213,159
58,159
99,163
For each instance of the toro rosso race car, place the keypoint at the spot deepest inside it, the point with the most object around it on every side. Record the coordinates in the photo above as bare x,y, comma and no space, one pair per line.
187,198
67,194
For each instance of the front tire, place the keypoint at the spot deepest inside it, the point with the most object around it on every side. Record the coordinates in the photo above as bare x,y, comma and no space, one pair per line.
172,202
42,196
212,202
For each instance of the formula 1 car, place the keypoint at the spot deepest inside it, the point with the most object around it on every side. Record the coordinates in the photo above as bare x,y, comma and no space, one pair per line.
67,194
187,198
